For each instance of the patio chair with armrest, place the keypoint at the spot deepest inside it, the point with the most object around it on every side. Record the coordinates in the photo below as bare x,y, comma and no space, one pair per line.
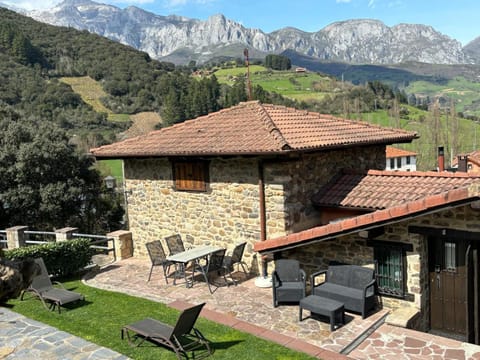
236,259
181,338
288,281
42,287
158,258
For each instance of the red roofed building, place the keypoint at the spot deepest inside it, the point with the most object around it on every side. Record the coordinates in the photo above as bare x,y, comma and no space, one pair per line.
246,173
292,183
399,159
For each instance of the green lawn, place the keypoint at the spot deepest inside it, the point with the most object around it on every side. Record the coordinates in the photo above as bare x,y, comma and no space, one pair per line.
102,315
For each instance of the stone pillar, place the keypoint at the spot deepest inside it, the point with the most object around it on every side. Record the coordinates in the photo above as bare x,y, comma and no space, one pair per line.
16,236
123,243
65,233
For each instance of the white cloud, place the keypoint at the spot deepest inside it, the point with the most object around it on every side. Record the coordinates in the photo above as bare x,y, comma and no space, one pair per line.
32,4
343,1
371,3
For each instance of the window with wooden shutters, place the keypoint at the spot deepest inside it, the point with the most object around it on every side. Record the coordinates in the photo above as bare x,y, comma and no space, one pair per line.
190,175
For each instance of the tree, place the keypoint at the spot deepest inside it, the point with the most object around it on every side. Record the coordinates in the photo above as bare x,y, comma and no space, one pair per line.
278,62
45,184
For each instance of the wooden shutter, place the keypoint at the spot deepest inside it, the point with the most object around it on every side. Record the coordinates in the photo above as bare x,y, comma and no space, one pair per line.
190,175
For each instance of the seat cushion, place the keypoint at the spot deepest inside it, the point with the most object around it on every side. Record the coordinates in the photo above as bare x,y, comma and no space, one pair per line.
350,297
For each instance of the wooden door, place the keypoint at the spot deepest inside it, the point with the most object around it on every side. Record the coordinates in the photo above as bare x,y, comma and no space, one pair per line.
448,285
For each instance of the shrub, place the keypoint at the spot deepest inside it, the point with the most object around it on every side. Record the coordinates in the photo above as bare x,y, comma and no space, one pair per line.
62,259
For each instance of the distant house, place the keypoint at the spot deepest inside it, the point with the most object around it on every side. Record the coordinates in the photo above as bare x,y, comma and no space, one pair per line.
469,162
300,70
399,159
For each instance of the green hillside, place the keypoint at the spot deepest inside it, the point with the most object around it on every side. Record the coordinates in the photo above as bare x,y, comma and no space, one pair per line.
298,86
437,127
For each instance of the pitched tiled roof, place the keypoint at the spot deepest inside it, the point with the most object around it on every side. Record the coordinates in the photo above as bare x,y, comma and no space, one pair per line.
430,203
376,189
392,152
254,128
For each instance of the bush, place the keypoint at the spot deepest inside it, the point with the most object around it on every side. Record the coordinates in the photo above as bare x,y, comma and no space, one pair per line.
62,259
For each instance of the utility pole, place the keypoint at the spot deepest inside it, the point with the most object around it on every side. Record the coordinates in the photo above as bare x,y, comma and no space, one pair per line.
249,85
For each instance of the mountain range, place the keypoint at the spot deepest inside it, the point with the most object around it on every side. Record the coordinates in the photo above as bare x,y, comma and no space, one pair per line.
180,40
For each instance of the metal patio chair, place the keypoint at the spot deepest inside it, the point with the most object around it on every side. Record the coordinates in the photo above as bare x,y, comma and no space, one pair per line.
182,338
215,266
236,259
158,258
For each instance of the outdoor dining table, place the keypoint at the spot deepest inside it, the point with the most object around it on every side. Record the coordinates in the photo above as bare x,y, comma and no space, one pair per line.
194,255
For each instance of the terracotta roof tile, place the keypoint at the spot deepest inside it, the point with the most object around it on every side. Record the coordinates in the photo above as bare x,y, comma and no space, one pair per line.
377,218
392,152
254,128
376,189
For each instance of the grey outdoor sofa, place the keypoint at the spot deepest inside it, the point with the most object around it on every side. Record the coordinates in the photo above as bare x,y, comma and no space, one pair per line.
352,285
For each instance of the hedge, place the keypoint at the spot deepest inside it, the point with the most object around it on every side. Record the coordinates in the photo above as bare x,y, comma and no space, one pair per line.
64,258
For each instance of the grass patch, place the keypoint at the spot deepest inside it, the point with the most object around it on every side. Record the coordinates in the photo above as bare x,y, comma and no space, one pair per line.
111,167
102,315
91,92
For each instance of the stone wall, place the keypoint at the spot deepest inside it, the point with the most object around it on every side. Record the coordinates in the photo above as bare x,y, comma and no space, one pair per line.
229,212
302,177
226,214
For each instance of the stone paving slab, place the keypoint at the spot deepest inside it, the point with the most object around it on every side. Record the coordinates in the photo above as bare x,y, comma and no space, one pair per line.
22,338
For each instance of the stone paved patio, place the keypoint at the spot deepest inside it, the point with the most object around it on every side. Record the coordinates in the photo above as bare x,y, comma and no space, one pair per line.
253,305
244,307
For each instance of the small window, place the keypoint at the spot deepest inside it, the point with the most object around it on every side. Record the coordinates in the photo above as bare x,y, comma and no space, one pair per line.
399,162
408,160
389,269
190,175
392,163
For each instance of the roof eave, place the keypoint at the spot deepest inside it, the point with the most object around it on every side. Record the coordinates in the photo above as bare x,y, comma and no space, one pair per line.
364,226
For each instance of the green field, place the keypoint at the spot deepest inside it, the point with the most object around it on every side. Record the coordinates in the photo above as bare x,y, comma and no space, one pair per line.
91,92
298,86
466,94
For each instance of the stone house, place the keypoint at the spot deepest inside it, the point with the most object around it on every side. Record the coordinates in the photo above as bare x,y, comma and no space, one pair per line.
298,184
246,173
419,230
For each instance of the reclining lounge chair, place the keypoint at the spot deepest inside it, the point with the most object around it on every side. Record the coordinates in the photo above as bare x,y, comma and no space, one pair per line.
43,288
181,338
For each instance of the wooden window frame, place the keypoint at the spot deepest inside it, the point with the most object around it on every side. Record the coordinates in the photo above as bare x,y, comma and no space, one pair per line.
191,175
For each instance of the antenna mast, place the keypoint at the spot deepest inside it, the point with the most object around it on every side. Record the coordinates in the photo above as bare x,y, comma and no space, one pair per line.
249,84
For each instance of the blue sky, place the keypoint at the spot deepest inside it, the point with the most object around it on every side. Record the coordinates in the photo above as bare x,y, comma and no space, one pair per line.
455,18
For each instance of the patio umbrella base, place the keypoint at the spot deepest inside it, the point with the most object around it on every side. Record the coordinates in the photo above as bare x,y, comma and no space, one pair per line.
263,281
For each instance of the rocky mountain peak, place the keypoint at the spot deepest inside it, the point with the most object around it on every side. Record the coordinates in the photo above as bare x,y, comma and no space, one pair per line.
359,41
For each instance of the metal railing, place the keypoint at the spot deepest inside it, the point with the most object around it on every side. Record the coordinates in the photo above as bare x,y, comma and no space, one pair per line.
99,242
39,237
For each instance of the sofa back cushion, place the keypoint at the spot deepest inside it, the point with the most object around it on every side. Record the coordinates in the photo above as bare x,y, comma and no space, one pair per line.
360,276
339,274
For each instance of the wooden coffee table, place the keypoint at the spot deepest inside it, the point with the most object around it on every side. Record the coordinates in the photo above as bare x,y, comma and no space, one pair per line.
333,309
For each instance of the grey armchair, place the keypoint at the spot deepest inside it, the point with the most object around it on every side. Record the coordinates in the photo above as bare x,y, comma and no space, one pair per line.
288,281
